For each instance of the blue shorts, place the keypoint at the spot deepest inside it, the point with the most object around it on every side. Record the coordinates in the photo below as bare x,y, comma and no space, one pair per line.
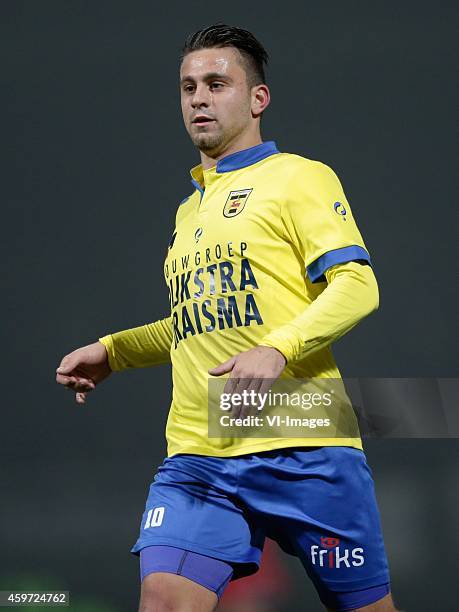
316,503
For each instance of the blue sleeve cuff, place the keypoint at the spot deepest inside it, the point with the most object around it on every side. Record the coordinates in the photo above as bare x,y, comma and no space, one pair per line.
331,258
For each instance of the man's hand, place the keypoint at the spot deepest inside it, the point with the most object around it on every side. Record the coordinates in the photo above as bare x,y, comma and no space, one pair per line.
255,369
83,369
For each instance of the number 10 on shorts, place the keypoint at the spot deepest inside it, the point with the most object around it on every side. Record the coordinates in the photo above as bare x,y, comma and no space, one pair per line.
154,517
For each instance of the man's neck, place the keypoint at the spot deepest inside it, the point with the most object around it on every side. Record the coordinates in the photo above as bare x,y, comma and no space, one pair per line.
241,144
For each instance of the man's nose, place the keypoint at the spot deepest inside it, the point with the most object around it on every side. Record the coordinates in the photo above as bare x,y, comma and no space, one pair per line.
201,96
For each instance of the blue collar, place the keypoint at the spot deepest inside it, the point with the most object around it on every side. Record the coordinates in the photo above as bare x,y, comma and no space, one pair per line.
246,157
235,161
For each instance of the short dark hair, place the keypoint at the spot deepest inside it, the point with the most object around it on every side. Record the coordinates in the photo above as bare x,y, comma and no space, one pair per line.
253,53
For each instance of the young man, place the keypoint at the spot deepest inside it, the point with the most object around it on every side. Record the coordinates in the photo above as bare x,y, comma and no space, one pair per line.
265,268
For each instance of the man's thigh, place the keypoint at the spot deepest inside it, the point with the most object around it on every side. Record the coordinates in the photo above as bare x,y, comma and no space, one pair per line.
192,528
163,591
191,506
207,572
342,548
322,508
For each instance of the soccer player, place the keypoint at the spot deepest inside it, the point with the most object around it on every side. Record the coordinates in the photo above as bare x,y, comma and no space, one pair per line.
265,269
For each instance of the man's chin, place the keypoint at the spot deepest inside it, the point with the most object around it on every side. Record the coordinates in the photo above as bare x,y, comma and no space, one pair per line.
207,143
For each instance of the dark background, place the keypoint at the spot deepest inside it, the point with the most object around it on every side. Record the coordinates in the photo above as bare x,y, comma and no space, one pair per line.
94,162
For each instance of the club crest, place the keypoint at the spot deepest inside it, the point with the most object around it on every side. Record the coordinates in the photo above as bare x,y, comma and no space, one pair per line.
236,202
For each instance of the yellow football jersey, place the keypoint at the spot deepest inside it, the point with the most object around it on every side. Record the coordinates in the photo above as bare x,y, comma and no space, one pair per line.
249,253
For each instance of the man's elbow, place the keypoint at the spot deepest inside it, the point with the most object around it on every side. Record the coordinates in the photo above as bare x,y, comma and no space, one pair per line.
371,301
359,283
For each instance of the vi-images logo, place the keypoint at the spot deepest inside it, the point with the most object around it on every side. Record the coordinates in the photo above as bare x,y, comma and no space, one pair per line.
332,555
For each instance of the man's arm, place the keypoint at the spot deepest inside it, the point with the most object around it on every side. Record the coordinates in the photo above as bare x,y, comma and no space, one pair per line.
351,294
139,347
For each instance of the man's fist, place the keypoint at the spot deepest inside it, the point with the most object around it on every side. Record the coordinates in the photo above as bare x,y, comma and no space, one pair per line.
83,369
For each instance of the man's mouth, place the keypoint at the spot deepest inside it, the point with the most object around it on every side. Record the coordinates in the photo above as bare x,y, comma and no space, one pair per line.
202,120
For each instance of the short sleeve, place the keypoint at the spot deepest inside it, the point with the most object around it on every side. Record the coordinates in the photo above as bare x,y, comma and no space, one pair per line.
319,221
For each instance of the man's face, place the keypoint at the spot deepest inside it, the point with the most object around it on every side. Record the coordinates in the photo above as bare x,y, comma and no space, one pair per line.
215,97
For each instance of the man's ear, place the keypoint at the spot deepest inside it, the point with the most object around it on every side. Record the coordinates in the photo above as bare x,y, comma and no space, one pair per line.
260,99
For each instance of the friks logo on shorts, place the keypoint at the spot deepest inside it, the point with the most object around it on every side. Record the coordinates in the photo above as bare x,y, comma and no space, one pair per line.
331,554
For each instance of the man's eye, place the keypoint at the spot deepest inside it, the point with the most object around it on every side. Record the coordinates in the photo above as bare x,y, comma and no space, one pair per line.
216,85
188,88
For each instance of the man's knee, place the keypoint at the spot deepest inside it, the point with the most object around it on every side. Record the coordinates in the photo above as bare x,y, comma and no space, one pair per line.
163,592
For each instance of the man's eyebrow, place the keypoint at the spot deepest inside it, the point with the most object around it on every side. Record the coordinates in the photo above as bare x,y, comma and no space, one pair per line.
209,76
